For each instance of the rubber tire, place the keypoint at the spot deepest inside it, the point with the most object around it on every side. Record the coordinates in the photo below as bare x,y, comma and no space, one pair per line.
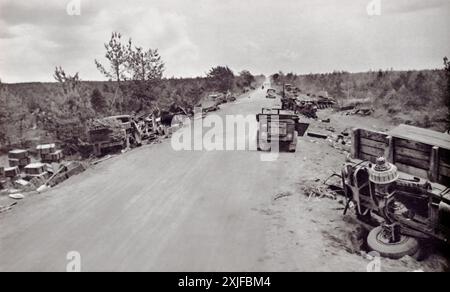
265,149
407,246
257,141
294,142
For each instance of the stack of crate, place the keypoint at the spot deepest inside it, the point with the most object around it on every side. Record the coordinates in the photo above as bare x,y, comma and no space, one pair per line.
19,158
49,154
35,170
12,172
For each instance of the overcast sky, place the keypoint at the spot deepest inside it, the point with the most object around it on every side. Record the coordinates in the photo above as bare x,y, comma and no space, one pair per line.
263,36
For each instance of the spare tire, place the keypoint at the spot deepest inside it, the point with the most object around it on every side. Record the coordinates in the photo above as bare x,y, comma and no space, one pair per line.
406,246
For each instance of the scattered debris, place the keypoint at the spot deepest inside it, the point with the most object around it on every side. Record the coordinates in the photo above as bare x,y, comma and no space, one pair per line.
42,188
282,195
7,208
22,182
317,135
19,158
107,157
12,172
35,170
16,196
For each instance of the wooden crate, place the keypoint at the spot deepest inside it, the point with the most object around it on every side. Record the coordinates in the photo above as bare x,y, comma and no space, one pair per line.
46,148
13,162
416,151
12,172
369,145
19,162
17,154
35,169
52,157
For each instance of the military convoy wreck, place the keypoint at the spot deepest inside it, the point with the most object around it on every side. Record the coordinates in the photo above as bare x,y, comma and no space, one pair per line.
399,182
305,104
396,182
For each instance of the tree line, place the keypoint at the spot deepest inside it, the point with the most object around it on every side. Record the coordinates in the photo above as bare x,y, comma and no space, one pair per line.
419,97
136,84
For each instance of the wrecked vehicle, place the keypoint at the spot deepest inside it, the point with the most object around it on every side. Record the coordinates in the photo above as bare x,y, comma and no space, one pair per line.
399,182
113,133
277,125
212,108
271,93
306,109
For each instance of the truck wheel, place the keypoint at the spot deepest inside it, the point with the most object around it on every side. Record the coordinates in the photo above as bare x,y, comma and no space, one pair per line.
379,243
257,141
293,145
262,146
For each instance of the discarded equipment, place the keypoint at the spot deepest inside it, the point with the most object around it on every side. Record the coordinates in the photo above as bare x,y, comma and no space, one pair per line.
49,154
19,158
116,132
317,135
271,93
394,192
35,170
280,127
12,172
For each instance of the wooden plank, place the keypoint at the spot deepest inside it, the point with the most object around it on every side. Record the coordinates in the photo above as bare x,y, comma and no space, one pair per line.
389,150
422,164
372,135
355,143
372,143
444,155
425,136
413,145
434,164
412,153
442,163
412,170
444,171
367,157
377,152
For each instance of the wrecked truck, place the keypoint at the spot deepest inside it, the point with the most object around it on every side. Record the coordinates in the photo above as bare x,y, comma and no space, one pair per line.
281,127
399,183
115,133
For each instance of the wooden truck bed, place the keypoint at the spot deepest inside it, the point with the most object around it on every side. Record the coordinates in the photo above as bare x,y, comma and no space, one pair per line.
415,151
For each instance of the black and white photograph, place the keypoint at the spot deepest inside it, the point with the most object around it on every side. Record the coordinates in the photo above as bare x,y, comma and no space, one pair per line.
238,137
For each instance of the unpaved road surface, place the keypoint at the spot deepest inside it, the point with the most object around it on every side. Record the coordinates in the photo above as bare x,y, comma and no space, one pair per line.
156,209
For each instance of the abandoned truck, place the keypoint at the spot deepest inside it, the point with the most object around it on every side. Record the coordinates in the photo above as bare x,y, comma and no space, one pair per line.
271,93
116,132
399,182
281,127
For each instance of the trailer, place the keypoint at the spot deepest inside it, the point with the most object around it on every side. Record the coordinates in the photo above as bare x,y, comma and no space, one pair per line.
399,182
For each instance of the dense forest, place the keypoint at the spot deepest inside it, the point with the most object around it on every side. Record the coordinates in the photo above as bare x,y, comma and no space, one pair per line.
414,97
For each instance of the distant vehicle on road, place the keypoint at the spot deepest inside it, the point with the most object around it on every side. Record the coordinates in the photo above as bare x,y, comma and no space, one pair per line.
271,93
276,125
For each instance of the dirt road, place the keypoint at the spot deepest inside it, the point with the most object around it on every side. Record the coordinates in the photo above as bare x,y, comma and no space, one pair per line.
156,209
